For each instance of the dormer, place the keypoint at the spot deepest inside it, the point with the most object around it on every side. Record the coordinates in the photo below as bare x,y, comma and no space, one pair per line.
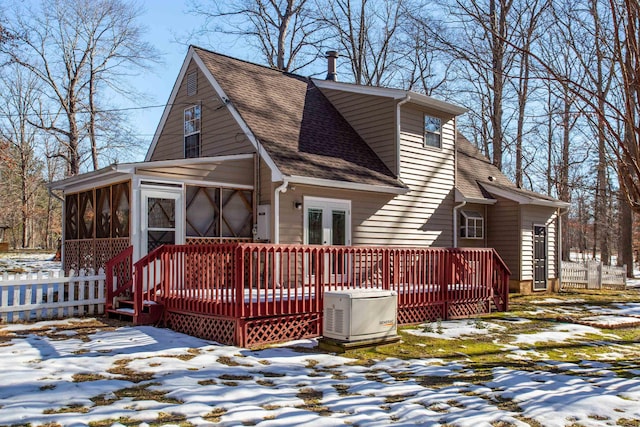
390,119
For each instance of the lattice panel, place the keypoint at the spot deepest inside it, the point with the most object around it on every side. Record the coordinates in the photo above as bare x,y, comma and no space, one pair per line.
468,309
413,315
118,245
214,240
71,255
86,253
278,329
222,330
102,252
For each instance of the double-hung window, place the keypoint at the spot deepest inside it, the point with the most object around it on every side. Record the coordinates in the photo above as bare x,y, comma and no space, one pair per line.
192,132
471,225
432,131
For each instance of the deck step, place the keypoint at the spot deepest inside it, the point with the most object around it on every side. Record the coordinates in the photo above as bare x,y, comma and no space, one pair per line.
120,314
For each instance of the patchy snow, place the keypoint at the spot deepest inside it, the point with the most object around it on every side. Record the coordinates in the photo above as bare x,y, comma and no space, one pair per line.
18,262
558,301
41,378
558,334
558,400
51,374
455,329
609,321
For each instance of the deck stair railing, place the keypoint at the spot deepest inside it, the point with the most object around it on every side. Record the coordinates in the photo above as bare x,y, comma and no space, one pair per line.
130,287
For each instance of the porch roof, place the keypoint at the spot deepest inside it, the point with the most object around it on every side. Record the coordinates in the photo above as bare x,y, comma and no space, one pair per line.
479,181
205,170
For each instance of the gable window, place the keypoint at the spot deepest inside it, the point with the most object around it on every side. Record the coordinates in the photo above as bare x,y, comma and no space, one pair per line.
192,132
471,225
432,131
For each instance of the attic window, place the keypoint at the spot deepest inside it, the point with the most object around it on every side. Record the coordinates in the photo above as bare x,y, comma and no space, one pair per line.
192,83
471,225
432,131
192,132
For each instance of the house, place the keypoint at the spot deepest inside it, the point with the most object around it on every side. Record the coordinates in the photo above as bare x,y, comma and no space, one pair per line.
244,152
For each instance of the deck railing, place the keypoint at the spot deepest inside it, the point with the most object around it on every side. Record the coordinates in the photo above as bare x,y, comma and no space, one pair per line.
246,280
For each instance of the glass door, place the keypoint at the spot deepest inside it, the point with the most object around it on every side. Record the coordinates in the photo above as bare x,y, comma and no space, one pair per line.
161,219
328,222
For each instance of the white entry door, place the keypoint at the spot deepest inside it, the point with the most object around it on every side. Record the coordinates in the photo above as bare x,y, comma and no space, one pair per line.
327,221
162,218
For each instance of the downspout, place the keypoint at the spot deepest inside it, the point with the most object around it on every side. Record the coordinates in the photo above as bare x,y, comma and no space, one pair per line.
455,223
276,207
559,255
404,101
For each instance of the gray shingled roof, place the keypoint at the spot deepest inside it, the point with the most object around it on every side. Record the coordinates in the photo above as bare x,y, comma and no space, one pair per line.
298,126
474,170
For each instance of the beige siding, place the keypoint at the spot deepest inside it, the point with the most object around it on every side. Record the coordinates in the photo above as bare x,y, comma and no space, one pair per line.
364,205
503,233
422,217
429,173
220,133
538,215
373,117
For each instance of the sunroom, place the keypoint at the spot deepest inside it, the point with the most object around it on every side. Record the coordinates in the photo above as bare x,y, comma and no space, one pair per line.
148,204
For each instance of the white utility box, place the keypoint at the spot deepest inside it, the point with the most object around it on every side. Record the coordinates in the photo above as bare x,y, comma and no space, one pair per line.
360,314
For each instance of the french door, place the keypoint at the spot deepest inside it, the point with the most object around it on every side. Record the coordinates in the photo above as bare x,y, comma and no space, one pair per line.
327,222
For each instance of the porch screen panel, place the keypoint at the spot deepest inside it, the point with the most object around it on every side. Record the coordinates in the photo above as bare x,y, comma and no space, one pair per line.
237,213
203,212
71,217
120,206
87,215
103,211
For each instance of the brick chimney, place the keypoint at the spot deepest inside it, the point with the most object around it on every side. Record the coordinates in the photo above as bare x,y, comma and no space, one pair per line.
332,57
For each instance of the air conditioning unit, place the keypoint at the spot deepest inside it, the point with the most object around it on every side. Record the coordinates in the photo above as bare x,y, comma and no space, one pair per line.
360,314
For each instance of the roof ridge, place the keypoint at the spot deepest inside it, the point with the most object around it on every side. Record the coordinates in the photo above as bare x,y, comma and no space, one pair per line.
277,70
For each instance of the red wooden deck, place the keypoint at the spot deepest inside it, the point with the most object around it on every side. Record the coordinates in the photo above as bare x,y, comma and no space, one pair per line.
249,294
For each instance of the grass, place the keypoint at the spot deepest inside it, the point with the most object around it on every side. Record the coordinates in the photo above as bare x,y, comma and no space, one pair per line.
528,314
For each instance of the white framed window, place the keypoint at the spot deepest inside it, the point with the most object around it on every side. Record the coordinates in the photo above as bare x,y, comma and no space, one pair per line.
432,131
192,119
471,225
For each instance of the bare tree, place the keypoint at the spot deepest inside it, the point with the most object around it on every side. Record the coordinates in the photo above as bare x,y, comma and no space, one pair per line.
19,89
285,32
74,48
369,35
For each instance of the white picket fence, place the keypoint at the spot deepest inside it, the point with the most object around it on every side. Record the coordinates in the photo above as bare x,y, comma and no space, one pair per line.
50,295
593,275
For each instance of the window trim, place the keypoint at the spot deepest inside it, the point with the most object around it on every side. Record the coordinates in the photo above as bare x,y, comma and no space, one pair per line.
427,133
465,226
197,126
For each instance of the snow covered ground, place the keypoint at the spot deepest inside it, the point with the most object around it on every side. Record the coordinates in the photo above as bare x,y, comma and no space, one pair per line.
25,262
79,371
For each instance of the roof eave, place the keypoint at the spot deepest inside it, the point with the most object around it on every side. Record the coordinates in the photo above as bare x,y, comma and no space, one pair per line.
523,199
98,176
397,94
346,185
